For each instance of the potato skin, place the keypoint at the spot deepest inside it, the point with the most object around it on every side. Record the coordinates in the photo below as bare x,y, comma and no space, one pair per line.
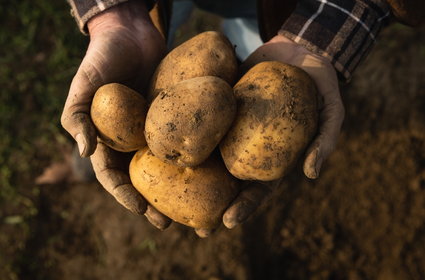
207,54
119,114
187,121
277,118
196,197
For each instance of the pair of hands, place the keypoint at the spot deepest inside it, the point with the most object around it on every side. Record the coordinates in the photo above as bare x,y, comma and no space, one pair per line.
125,47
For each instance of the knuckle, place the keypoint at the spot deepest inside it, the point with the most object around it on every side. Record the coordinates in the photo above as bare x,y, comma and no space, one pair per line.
334,112
120,190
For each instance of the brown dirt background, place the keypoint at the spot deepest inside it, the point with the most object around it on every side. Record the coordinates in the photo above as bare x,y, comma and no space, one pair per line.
363,219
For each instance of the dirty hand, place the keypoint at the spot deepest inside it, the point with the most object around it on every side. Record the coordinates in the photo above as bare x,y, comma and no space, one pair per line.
125,47
331,117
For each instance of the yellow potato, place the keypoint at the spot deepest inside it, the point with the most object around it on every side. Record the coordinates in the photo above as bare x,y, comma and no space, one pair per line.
276,120
196,197
119,114
187,121
207,54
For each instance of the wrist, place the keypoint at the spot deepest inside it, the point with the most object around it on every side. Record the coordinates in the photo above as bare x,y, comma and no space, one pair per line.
297,51
131,14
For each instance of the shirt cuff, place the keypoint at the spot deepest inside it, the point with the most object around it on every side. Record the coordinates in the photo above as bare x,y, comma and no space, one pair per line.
84,10
340,30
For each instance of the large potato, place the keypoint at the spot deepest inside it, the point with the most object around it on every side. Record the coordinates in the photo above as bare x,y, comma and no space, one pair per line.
196,197
277,118
207,54
187,121
119,114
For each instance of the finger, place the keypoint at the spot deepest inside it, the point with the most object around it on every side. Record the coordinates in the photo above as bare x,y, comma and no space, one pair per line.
203,233
76,114
111,172
324,144
331,115
103,63
247,202
156,218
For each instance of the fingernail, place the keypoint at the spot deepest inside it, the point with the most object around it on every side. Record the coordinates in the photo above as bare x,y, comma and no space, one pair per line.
230,223
81,144
314,172
157,220
237,218
203,233
311,167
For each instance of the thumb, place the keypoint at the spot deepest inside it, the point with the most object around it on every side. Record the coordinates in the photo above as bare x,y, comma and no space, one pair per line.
76,114
331,114
331,119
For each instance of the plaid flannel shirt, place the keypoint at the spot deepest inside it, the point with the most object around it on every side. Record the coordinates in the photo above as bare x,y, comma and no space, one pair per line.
83,10
341,30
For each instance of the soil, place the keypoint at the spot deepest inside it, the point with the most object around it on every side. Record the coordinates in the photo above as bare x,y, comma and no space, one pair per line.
364,218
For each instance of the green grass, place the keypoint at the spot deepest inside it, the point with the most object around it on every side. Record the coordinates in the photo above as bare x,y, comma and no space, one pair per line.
40,50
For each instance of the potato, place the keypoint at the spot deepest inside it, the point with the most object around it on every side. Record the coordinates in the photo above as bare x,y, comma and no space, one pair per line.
187,121
196,197
207,54
119,114
277,118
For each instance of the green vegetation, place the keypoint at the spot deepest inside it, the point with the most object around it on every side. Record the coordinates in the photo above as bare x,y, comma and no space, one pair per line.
40,50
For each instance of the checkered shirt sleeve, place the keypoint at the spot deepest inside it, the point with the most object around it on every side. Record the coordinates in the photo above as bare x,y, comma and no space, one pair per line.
340,30
83,10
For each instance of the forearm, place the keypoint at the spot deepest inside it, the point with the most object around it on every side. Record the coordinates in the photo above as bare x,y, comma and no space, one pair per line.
84,10
342,31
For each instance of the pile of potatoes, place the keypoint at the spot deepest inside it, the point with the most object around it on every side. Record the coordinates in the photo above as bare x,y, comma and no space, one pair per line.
197,133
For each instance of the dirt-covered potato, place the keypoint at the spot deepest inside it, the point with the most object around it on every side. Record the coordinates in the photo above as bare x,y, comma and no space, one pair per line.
196,197
119,114
187,121
277,118
207,54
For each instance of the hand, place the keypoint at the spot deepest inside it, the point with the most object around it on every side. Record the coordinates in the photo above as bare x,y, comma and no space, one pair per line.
280,48
331,117
124,47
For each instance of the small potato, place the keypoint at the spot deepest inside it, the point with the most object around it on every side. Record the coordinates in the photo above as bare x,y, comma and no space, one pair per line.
196,197
277,118
207,54
187,121
119,114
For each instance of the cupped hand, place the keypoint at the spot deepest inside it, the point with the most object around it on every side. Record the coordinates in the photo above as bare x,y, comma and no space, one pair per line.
331,117
124,47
